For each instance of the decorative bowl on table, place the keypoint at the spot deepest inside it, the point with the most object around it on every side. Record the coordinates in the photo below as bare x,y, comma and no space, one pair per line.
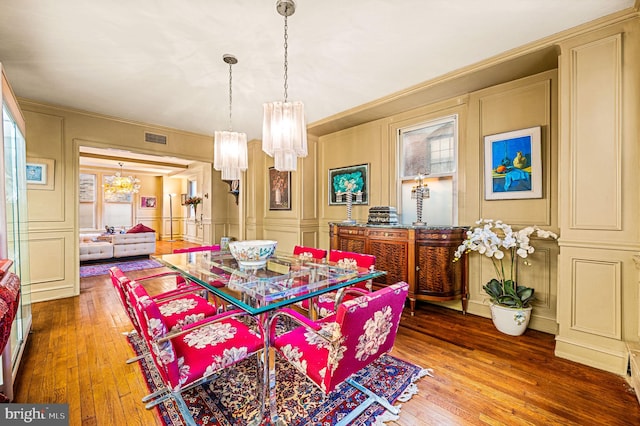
252,253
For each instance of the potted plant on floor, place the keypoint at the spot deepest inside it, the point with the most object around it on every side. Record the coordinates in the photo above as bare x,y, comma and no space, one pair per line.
510,302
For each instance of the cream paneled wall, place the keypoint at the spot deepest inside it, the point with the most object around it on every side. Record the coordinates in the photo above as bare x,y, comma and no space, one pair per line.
588,109
515,105
289,227
519,104
52,236
600,231
56,133
365,144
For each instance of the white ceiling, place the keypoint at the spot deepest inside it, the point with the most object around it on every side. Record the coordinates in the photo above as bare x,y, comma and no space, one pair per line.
160,61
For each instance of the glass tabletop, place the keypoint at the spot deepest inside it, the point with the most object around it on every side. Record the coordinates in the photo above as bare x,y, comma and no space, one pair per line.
283,280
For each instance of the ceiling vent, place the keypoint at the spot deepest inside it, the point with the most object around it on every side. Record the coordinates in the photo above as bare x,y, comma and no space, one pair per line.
155,138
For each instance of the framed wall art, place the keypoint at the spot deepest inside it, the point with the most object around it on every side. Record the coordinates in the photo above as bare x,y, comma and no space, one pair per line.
354,177
87,191
279,190
40,172
513,165
148,202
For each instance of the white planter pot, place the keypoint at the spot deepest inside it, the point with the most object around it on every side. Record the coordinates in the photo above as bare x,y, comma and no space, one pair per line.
511,321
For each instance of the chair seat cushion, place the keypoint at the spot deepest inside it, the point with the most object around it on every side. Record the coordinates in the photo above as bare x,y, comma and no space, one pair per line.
307,351
184,310
208,349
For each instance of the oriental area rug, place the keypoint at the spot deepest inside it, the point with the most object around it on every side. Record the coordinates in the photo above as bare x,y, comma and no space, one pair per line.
132,265
231,398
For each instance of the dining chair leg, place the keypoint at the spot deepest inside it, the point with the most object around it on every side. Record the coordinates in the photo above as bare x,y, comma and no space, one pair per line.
157,394
372,397
184,410
136,358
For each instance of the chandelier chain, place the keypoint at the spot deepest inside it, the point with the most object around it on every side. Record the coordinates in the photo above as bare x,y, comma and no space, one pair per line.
286,61
230,96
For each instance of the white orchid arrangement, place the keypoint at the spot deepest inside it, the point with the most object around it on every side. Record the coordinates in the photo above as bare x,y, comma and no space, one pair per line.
499,242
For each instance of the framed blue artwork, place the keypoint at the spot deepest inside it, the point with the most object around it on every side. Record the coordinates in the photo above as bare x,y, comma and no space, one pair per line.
39,173
513,165
355,178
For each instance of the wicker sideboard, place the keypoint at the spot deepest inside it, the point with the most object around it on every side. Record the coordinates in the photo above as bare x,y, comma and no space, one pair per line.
420,255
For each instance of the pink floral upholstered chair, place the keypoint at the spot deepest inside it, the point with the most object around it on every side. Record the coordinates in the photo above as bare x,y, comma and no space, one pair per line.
326,304
310,253
181,305
191,357
329,351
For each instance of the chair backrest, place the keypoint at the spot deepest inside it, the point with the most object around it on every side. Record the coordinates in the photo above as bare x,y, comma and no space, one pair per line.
367,325
314,253
121,284
361,259
346,259
215,247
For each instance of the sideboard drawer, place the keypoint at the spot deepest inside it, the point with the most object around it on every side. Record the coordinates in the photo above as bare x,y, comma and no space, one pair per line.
400,234
353,232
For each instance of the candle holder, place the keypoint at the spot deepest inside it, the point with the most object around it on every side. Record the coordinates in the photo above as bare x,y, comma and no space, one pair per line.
349,200
419,193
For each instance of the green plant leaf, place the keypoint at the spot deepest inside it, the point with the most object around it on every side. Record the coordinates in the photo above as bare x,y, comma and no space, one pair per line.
494,289
525,294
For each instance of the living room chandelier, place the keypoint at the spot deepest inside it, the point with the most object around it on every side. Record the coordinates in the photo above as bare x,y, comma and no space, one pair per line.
230,148
119,184
284,132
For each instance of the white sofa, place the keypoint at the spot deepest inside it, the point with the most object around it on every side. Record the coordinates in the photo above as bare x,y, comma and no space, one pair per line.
138,244
98,246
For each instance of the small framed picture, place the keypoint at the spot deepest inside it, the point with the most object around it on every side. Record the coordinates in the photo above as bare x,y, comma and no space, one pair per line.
279,190
513,165
354,178
40,172
148,202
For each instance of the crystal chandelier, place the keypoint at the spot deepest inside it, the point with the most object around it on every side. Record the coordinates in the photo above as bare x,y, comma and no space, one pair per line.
119,184
284,132
230,148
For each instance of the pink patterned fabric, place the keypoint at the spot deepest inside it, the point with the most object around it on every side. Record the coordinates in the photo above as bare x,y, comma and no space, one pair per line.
122,284
9,302
309,252
325,304
176,311
361,259
200,349
331,350
206,349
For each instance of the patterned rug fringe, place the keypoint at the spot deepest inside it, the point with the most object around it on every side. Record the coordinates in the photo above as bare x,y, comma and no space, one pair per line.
412,389
385,417
405,396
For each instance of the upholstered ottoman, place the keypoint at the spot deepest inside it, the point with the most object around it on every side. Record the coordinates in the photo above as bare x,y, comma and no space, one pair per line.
95,250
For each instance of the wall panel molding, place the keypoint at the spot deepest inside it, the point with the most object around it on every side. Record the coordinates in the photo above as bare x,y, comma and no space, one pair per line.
596,297
595,75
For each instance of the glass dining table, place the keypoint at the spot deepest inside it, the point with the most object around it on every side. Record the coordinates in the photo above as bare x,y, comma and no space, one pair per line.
282,281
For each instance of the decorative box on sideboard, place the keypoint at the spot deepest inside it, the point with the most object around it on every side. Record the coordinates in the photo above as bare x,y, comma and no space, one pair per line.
420,255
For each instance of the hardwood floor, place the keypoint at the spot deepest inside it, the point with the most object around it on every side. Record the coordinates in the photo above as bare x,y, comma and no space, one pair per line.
77,352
